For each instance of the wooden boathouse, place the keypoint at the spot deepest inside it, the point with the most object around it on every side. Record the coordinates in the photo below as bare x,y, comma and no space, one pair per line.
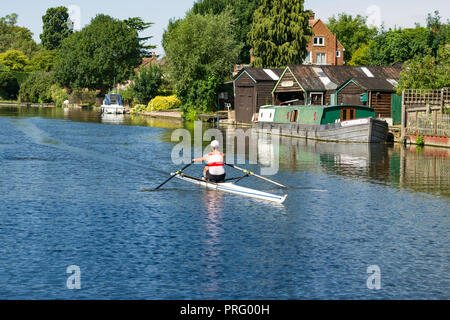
337,85
253,89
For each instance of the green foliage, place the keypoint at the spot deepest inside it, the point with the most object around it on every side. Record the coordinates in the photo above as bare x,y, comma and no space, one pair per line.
139,108
420,141
438,32
128,96
360,56
83,97
426,72
15,60
103,53
9,86
13,37
37,88
43,60
59,95
242,11
280,33
147,83
160,103
200,48
140,25
56,27
201,98
352,32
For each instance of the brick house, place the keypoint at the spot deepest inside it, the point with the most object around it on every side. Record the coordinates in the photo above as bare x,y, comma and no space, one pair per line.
324,48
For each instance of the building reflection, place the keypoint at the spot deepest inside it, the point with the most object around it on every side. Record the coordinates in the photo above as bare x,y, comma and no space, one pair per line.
423,170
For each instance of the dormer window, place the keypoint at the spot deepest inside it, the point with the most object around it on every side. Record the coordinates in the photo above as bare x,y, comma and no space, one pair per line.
319,41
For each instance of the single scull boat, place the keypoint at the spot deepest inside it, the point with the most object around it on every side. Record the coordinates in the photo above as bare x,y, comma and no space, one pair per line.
231,188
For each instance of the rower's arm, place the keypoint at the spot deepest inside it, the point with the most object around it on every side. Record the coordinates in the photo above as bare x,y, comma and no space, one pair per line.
199,159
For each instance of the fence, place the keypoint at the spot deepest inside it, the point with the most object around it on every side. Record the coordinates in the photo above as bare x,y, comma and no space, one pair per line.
423,112
436,124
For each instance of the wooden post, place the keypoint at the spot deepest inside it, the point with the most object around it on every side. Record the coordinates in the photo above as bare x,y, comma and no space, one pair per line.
435,122
403,129
442,101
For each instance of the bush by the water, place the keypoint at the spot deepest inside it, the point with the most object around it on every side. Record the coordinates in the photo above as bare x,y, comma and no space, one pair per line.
160,103
83,97
9,86
59,95
37,88
139,108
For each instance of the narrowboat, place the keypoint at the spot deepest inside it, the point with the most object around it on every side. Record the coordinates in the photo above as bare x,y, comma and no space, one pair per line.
339,123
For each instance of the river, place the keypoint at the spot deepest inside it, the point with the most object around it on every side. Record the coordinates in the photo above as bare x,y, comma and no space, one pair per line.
71,184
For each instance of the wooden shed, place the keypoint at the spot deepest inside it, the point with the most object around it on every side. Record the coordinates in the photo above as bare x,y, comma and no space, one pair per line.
253,89
331,85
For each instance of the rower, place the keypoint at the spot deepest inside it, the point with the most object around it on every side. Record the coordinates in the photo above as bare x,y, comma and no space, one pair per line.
215,164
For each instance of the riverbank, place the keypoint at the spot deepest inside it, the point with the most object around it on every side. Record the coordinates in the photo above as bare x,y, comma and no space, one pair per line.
27,105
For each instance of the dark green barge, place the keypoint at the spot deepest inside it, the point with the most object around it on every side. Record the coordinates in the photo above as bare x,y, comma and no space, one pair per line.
343,123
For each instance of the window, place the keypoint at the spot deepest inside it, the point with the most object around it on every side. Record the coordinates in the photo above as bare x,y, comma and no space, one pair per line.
319,41
321,58
338,54
308,58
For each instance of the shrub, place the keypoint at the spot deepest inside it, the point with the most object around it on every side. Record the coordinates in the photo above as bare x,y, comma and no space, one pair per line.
83,97
164,103
59,95
147,82
139,108
9,86
420,141
36,88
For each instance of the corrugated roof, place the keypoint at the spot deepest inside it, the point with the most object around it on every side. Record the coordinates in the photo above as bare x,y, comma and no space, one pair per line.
316,77
260,74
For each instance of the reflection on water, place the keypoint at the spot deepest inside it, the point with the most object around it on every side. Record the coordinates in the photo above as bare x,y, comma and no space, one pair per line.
420,169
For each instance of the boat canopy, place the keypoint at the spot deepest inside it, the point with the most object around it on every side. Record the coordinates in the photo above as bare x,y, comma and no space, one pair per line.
113,99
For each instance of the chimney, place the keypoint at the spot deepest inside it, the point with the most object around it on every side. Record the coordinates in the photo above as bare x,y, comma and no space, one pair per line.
154,56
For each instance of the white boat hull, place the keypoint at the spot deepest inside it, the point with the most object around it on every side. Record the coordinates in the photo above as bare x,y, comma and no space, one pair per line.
235,189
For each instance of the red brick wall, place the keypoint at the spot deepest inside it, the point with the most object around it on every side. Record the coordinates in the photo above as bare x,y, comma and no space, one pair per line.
330,47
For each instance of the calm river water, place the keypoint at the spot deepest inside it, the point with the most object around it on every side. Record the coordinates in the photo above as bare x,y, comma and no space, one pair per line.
70,194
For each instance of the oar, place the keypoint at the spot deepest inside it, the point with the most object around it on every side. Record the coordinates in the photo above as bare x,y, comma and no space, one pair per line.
257,176
173,176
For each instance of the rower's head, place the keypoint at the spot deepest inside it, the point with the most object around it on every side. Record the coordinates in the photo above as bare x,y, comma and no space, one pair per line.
215,145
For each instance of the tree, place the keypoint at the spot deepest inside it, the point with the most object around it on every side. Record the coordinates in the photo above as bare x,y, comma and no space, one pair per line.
438,32
361,56
140,25
15,60
280,33
13,37
147,82
199,48
37,88
242,11
426,72
56,27
43,60
9,86
351,31
398,45
104,53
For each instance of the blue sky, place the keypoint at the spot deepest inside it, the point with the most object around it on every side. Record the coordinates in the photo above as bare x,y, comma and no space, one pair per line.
392,13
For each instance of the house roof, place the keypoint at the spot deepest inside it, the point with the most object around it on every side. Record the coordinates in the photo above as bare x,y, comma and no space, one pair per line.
260,74
323,78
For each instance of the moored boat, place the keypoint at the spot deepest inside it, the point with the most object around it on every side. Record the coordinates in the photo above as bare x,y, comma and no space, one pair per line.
343,123
112,104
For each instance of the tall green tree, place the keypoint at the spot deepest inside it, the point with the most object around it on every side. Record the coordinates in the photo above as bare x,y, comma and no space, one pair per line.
201,49
438,32
140,26
242,11
13,37
352,32
43,60
147,83
280,33
15,60
56,27
103,53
